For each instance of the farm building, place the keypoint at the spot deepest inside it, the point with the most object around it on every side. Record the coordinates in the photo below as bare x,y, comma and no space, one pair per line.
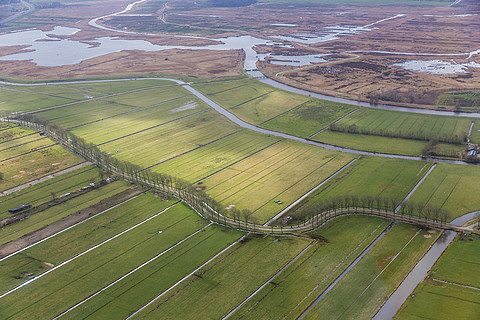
20,208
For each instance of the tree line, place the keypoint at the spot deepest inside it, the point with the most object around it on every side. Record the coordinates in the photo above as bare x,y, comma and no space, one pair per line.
318,213
412,135
204,205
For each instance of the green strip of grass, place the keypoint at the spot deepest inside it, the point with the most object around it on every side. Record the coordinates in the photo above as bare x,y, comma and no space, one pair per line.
366,287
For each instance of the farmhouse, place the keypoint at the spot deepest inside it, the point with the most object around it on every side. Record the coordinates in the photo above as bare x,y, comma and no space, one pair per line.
20,208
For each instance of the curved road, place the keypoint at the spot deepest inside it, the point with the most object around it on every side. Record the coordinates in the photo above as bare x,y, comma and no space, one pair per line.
230,116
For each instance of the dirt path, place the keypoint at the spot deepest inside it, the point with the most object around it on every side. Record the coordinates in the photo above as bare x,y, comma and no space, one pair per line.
68,221
44,178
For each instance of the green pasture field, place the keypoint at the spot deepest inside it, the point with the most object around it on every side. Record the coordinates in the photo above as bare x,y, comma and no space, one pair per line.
18,101
288,295
52,214
42,192
98,268
380,144
29,166
212,158
309,118
114,128
458,299
9,132
159,144
227,281
452,187
284,171
78,239
84,113
388,178
148,97
468,101
56,91
250,100
368,285
475,136
23,145
396,121
112,87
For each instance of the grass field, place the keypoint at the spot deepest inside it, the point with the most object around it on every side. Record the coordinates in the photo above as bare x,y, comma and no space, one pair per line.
468,101
25,157
302,282
366,287
457,299
78,239
284,172
403,122
159,144
309,118
16,100
452,187
382,144
92,271
42,192
251,100
388,178
209,294
41,219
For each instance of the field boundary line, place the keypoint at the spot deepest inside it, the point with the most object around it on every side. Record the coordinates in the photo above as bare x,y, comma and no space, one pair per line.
53,235
153,127
31,151
334,122
456,284
45,178
252,99
347,270
381,272
126,112
134,270
307,194
270,280
184,278
415,188
86,251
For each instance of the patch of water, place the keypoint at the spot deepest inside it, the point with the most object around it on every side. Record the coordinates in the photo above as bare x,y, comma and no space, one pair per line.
187,106
294,61
439,67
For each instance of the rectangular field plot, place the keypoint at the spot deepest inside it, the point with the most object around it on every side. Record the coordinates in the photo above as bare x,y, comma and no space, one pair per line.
127,124
150,259
253,102
116,86
388,178
153,146
58,91
394,121
26,166
309,118
368,284
85,112
59,211
72,242
222,285
9,132
451,187
18,100
42,192
209,159
148,97
283,172
288,295
452,288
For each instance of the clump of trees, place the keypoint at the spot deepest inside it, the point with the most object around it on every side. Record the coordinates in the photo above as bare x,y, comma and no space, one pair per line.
412,135
318,213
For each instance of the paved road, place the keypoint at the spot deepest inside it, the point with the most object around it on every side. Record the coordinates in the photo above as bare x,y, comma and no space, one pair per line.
30,7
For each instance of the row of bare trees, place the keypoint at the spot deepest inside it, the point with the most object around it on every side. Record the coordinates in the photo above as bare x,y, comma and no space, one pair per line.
412,135
198,199
317,213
